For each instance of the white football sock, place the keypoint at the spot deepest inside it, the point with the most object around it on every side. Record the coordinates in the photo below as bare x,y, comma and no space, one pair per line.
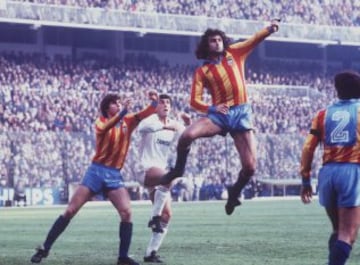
156,239
161,195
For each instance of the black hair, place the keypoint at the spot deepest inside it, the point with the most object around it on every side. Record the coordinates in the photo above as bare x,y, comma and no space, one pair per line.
347,84
202,50
106,101
165,96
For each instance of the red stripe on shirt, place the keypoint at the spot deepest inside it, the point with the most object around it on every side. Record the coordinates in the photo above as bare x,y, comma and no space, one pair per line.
220,97
234,86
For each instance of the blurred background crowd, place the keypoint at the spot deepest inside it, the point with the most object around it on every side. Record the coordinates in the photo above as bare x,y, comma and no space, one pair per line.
321,12
48,107
49,100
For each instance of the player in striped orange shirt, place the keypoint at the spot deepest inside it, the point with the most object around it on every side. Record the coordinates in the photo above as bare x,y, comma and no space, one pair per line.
337,128
113,130
222,74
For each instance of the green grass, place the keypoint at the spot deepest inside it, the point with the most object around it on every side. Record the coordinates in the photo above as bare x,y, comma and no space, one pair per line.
258,233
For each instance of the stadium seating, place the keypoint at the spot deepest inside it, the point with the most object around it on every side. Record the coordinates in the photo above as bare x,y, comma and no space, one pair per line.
54,102
339,13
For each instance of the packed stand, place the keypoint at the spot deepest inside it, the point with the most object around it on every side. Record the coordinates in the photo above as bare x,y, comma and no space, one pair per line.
319,12
48,107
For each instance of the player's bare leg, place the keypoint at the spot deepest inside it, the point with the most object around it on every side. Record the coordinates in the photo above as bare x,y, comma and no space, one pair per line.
80,197
121,200
246,146
349,224
334,218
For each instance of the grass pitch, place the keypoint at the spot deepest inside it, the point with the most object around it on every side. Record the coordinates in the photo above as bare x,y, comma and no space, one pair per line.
259,232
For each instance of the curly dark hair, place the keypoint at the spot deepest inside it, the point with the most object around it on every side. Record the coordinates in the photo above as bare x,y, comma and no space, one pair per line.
106,101
202,50
347,84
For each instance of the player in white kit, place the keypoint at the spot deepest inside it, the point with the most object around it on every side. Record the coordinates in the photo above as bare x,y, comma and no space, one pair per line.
158,134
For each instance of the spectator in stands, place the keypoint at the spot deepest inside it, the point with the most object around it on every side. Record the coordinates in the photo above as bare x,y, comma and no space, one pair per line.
337,128
113,132
20,193
334,13
68,152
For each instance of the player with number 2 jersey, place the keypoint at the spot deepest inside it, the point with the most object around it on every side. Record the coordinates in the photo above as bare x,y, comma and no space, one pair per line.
337,128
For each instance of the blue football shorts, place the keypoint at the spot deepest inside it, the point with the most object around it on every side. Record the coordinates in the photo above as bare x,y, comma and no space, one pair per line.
339,185
100,178
238,119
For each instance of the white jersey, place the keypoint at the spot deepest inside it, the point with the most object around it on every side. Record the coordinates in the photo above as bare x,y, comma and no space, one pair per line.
156,142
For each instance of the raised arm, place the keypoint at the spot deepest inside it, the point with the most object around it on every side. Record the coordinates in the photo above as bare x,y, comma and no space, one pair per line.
134,119
246,47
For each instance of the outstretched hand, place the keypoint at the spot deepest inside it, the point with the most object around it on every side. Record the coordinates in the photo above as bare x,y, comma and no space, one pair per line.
127,104
274,24
153,95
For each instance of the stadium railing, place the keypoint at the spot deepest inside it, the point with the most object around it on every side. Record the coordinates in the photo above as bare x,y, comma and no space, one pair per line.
99,18
290,90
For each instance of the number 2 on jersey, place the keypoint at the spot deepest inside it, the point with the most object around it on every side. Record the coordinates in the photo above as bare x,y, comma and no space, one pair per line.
339,134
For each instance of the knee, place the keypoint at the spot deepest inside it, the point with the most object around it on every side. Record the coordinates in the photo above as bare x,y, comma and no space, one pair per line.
348,235
125,215
248,171
70,212
186,138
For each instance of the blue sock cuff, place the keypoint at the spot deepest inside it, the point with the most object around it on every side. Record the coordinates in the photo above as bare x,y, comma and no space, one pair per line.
339,253
343,246
332,240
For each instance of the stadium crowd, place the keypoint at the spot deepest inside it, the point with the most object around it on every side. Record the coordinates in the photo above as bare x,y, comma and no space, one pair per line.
319,12
48,106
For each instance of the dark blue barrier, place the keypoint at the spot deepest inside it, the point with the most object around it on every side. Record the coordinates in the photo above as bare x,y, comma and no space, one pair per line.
35,196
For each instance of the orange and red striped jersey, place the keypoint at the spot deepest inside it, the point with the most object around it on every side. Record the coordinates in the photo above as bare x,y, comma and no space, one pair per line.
224,80
337,128
113,138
